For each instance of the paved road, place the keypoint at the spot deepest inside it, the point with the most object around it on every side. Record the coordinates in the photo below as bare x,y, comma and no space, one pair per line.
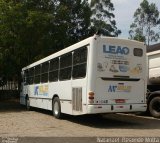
15,121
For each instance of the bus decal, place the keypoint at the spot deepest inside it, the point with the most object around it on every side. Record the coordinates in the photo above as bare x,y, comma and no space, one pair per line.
41,90
119,88
102,66
113,69
136,70
119,62
116,50
123,68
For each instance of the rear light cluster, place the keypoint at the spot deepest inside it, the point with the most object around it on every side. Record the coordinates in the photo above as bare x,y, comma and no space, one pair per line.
91,97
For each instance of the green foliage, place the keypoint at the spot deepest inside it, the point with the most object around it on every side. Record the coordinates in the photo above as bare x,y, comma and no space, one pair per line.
102,18
146,18
33,29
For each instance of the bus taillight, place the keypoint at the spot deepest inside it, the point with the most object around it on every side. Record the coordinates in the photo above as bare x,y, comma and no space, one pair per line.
91,97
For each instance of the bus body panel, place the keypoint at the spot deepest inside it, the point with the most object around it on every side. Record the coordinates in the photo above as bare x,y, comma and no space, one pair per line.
153,67
108,92
116,58
79,85
116,75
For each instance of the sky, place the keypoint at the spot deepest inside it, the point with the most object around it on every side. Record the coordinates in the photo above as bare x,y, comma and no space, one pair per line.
124,11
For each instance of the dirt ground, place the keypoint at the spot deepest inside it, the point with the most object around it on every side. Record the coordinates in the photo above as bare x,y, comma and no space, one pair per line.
15,121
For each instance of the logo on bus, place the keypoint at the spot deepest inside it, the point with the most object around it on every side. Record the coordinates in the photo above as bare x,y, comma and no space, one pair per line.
115,50
119,88
41,90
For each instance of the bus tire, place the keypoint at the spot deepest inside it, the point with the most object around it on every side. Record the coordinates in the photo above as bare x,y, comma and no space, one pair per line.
28,104
154,107
56,108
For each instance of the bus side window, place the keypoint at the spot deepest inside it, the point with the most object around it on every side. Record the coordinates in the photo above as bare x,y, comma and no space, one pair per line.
79,63
44,72
53,70
37,74
65,67
25,77
31,76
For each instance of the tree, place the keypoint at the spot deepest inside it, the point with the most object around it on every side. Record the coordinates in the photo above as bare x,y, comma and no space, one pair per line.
23,34
9,23
72,20
102,18
146,18
33,29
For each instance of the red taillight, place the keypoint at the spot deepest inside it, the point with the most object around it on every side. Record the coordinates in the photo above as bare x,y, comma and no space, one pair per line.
91,93
119,106
120,100
91,97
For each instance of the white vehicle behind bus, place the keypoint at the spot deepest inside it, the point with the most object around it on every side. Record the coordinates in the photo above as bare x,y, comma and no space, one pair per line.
153,96
96,75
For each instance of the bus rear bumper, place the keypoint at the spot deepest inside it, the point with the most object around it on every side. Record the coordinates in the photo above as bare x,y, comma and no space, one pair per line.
116,108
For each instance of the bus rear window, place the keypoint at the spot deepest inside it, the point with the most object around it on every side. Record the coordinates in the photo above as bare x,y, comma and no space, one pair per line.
138,52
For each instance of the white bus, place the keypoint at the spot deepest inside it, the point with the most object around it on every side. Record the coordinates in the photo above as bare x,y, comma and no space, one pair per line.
96,75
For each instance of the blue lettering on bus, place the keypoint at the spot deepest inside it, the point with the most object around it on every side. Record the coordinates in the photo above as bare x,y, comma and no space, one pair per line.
112,88
116,50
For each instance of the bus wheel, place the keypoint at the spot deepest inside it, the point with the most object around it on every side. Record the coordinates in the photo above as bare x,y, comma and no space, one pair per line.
56,108
154,107
28,103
